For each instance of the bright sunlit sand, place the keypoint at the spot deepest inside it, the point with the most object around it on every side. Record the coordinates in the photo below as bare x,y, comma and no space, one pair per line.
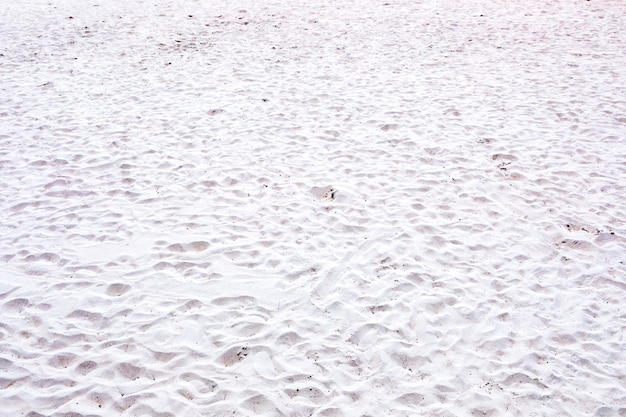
295,208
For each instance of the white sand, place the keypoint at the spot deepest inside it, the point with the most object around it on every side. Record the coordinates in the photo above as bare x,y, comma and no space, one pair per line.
294,208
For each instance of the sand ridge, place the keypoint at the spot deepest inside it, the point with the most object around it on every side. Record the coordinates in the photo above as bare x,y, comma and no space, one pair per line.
330,209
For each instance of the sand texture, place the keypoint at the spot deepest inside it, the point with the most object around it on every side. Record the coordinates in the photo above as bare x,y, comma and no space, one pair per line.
296,208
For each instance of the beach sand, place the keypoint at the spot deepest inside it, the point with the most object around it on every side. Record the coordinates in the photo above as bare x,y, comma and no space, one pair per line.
333,208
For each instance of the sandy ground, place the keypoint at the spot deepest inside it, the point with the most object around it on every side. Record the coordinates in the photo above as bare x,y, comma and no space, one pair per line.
332,208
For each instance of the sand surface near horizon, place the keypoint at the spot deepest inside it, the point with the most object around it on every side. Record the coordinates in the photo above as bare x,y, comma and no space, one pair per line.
351,208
